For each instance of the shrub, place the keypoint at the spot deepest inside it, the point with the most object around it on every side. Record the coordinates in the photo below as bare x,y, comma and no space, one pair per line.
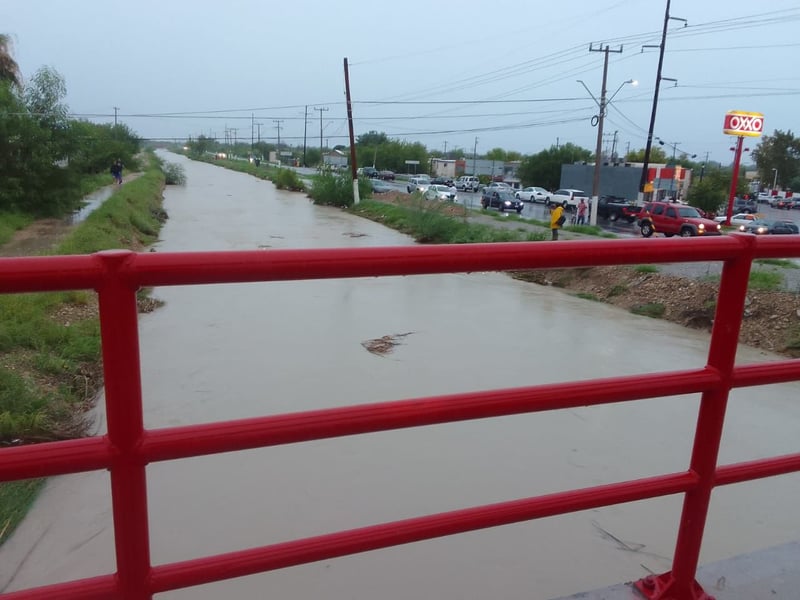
617,290
174,174
287,179
337,189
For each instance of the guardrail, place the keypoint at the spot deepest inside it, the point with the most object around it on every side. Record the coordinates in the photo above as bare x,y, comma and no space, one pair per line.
129,447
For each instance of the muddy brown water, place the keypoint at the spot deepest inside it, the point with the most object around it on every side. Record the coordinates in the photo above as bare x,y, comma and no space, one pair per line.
225,352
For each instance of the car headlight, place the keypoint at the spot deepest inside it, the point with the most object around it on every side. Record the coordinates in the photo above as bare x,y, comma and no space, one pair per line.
507,202
741,227
701,226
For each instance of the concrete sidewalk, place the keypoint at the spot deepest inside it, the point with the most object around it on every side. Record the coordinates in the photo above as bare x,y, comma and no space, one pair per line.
769,574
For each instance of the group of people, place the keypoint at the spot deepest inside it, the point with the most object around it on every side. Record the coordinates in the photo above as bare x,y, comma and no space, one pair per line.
116,171
557,217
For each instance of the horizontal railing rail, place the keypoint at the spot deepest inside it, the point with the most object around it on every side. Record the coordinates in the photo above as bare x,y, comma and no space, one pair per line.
129,447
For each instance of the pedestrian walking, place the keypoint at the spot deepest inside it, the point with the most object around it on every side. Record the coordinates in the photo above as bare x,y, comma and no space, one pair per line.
116,171
557,219
582,212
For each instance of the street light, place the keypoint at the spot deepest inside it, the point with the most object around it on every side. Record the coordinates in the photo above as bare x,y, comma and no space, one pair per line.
602,104
775,180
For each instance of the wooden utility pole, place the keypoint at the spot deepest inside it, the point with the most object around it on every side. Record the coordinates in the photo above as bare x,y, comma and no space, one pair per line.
353,165
305,134
321,110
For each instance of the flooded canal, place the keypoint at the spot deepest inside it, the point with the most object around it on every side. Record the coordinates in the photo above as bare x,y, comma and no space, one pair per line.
225,352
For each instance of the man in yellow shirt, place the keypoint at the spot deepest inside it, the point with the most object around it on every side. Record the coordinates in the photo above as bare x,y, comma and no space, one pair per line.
555,220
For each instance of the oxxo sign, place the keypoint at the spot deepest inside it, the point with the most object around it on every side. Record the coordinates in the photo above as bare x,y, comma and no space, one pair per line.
748,124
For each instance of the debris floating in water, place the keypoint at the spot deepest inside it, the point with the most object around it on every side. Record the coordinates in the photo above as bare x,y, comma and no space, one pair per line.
384,345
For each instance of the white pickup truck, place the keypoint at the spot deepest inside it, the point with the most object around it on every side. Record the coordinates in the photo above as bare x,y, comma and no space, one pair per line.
569,197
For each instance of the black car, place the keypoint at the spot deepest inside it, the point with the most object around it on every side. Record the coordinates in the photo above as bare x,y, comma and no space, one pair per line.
781,226
501,200
386,175
443,181
370,172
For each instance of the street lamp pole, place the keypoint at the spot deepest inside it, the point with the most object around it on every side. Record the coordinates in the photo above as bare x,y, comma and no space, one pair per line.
775,180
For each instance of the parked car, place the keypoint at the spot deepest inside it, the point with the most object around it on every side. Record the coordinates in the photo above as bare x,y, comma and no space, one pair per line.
533,194
418,183
386,175
785,203
779,227
568,198
370,172
443,181
440,192
468,183
379,187
740,220
501,199
675,219
497,185
744,206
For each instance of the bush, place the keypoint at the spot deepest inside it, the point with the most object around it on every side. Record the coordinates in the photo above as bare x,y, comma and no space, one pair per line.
287,179
337,190
174,174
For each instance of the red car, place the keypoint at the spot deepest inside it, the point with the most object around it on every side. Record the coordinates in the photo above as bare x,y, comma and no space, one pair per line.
675,219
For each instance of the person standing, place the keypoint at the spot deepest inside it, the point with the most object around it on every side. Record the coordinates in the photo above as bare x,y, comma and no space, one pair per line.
557,219
582,212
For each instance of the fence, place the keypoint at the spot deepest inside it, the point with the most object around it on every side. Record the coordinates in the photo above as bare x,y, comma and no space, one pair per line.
129,447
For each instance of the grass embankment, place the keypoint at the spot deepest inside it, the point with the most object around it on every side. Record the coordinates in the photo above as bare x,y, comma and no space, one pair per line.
284,179
427,223
50,361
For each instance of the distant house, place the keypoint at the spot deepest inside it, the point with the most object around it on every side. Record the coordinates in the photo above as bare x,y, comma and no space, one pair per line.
335,159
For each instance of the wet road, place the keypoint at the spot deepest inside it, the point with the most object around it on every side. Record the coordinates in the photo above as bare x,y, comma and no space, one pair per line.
223,352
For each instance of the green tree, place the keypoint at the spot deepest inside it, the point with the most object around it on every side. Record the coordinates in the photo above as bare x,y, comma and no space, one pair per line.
372,138
544,169
780,151
657,155
497,154
707,195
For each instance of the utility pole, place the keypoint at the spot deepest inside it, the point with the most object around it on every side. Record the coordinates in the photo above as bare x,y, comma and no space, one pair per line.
321,110
259,131
116,109
445,148
474,156
614,145
305,133
703,167
353,164
278,125
648,147
598,154
252,131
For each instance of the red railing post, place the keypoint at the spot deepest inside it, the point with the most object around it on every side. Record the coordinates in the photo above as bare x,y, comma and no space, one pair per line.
123,394
680,584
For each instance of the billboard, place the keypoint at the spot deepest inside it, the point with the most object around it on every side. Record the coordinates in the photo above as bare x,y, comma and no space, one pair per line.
748,124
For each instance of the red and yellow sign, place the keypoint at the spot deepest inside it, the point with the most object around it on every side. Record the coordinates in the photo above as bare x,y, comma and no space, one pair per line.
747,124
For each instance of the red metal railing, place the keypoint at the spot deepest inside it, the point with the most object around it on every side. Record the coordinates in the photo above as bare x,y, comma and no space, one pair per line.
129,447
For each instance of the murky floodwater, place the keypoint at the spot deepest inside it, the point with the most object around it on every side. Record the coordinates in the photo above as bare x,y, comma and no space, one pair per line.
223,352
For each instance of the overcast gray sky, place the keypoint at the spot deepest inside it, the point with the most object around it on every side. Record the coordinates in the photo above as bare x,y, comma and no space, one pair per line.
410,62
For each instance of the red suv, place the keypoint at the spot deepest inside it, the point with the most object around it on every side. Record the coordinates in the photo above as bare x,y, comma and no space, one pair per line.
675,219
